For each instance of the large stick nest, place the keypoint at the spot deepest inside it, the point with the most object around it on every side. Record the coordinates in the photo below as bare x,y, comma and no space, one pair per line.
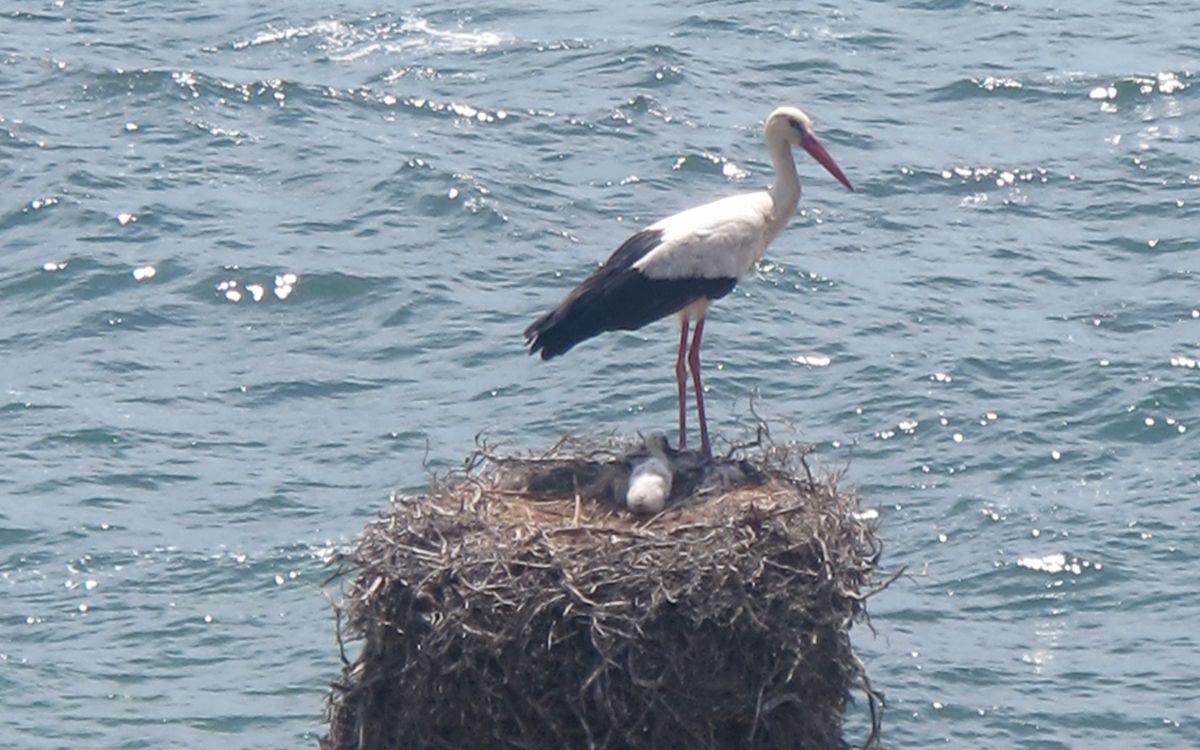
517,607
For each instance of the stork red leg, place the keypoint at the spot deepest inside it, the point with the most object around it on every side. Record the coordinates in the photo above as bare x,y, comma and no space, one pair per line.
694,364
681,379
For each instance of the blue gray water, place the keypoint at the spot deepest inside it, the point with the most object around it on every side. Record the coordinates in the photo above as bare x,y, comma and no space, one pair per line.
260,264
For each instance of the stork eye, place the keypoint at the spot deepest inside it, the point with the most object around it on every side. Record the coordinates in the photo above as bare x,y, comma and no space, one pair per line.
798,126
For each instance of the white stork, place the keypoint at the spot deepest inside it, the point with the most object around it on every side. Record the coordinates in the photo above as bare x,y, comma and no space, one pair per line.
683,262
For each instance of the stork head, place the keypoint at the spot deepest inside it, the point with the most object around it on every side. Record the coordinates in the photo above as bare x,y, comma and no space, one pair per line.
791,125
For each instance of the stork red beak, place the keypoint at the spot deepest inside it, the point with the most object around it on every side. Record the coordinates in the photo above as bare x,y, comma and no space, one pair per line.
818,152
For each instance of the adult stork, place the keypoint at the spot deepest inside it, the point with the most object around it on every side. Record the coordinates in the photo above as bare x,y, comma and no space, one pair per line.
683,262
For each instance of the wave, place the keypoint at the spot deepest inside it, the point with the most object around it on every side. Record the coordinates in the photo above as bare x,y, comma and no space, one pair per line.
348,41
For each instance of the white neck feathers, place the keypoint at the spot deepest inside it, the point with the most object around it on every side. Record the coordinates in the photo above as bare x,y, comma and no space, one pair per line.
785,193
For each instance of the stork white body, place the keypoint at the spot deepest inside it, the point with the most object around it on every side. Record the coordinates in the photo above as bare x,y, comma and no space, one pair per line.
683,262
719,240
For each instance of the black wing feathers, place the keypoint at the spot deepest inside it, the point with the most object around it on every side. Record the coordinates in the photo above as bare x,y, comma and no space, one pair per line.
634,249
618,297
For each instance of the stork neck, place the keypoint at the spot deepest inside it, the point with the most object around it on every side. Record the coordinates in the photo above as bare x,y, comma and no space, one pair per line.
785,193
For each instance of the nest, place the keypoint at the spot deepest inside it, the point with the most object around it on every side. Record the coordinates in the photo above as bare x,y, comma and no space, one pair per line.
519,606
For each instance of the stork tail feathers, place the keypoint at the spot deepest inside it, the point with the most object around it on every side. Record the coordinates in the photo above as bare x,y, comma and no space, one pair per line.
560,329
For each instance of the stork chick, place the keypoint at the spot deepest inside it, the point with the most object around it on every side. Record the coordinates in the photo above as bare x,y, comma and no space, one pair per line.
650,481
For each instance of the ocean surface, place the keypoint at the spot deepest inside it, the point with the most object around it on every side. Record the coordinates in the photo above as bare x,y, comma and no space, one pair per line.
259,266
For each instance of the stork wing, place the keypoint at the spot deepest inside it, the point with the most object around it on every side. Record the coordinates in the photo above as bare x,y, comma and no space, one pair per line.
619,296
